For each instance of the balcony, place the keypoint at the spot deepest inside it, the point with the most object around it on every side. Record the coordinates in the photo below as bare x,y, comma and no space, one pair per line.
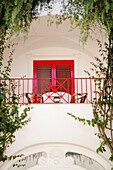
53,91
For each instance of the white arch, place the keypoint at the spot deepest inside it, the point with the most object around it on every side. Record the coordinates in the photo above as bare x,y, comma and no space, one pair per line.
58,156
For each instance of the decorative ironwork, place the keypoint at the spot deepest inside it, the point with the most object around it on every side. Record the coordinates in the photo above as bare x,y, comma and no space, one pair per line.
29,161
84,161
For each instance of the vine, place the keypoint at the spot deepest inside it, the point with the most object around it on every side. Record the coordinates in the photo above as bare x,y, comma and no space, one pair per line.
11,119
103,103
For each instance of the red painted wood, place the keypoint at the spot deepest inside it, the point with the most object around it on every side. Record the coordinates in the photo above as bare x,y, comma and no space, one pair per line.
54,64
84,87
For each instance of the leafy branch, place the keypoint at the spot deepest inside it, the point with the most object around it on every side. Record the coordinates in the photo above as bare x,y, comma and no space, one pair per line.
11,119
103,103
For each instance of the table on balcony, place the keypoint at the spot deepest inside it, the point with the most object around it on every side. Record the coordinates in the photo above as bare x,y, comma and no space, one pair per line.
58,97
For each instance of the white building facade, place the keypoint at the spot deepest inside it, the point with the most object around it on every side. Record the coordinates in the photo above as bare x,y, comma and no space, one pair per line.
52,61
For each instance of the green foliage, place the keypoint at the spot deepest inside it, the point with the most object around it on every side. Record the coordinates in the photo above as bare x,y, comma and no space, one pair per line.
11,119
16,16
103,103
111,159
101,148
87,14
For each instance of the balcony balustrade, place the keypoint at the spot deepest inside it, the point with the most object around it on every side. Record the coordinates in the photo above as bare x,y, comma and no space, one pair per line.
43,91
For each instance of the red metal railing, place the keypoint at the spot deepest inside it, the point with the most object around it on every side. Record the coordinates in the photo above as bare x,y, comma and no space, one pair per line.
42,90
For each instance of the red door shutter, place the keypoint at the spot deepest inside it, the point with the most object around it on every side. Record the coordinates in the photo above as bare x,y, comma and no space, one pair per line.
53,75
63,77
44,75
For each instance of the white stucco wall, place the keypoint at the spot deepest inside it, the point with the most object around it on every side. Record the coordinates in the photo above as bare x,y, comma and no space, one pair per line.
50,123
53,42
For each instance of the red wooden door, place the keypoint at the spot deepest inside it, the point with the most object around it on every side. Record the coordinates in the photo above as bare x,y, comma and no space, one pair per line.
53,75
